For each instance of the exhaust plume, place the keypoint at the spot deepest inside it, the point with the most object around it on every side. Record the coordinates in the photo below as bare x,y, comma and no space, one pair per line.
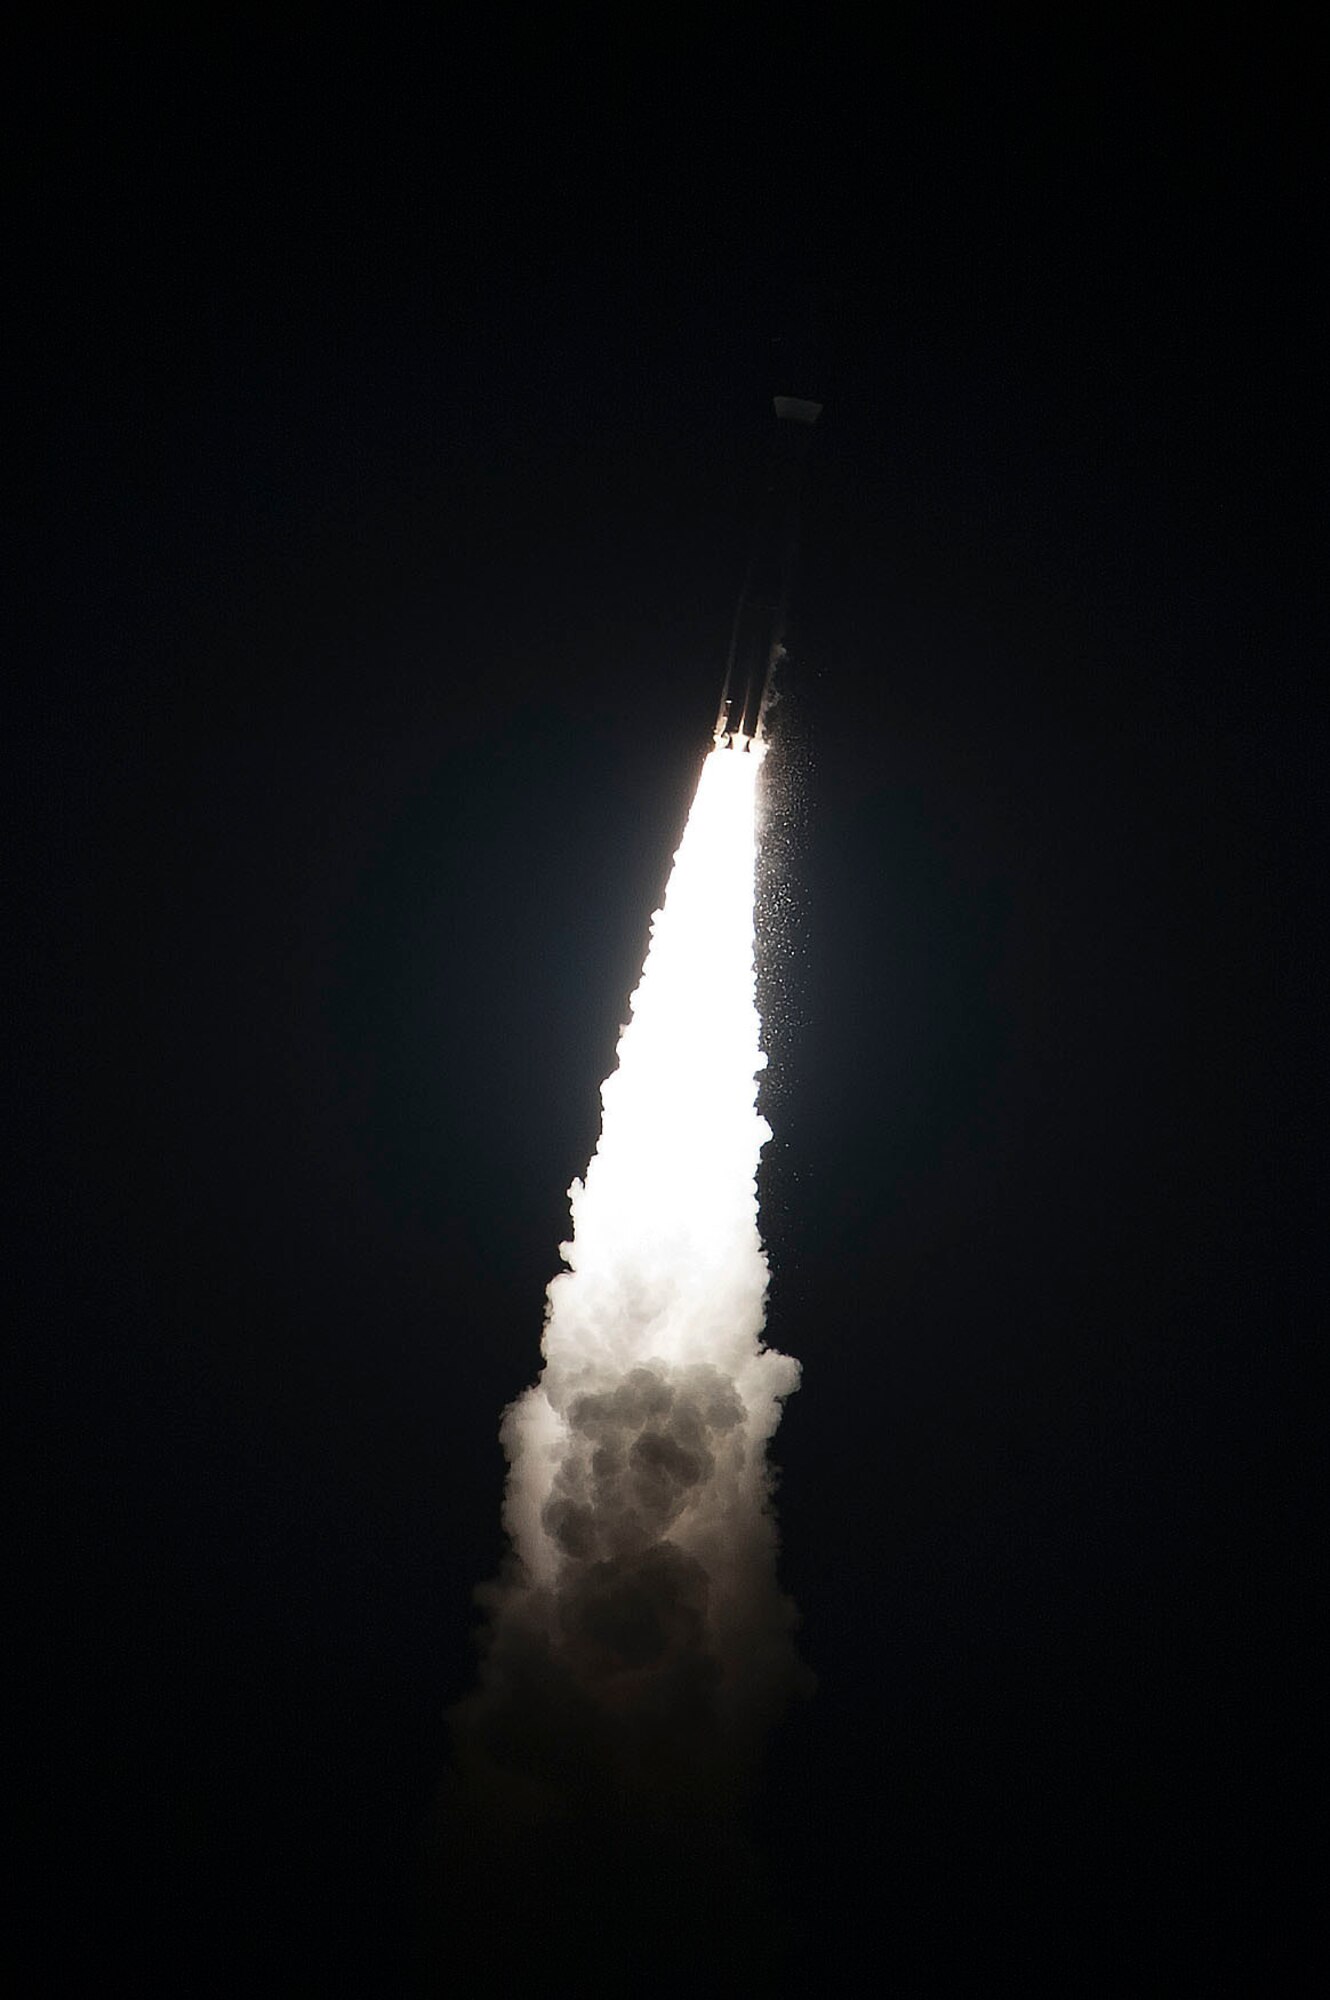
637,1642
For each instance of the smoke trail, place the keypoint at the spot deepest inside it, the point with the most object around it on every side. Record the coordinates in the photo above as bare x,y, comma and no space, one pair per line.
638,1643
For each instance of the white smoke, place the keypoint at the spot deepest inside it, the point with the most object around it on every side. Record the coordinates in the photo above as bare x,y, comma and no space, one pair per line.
638,1640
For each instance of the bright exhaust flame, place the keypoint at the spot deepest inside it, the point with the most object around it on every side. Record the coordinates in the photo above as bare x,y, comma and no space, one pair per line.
639,1635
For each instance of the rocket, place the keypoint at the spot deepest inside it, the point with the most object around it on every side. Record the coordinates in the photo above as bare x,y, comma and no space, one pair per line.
757,640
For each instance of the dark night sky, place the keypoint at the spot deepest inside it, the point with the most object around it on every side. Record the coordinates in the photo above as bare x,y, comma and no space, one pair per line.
391,415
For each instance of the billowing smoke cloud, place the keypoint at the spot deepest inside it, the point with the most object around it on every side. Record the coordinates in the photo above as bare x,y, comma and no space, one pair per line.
638,1644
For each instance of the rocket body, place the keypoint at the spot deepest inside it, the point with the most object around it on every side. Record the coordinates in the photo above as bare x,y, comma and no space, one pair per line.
757,640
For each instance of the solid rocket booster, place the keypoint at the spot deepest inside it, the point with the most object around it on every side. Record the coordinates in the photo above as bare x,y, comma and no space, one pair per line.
757,641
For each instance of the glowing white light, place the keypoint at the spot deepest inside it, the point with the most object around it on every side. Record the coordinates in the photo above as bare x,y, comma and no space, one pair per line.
665,1264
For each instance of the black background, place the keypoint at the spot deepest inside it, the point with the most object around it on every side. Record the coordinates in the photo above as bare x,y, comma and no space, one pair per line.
390,416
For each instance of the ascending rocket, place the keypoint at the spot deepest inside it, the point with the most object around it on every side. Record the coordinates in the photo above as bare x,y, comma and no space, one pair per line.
757,642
